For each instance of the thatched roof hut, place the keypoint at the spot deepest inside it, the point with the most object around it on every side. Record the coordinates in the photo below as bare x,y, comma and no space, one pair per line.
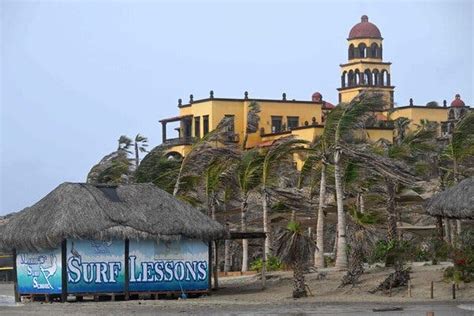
456,202
100,212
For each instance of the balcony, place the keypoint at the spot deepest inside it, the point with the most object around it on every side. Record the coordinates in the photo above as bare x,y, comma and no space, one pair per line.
180,141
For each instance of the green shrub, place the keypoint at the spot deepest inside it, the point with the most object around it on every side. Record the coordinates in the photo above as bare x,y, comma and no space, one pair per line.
273,264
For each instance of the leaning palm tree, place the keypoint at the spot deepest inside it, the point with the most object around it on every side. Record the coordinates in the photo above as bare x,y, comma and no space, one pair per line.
204,150
278,155
247,173
294,249
342,124
460,149
140,144
252,121
315,165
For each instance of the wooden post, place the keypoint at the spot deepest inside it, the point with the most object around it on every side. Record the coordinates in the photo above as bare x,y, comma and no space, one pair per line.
209,278
214,267
15,278
64,271
264,266
432,290
127,271
454,290
409,288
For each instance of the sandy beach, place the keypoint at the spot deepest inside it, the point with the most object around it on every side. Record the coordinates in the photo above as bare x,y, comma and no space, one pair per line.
243,295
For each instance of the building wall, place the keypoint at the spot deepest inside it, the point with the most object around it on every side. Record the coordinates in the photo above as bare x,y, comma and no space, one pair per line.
416,114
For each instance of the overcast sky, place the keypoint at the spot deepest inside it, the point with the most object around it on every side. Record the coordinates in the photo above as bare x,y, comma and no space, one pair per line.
75,75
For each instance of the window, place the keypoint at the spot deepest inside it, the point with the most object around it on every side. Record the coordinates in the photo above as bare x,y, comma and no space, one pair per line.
205,124
197,127
276,124
293,122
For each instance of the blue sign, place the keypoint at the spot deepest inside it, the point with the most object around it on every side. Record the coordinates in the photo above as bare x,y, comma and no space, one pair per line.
95,266
168,266
39,272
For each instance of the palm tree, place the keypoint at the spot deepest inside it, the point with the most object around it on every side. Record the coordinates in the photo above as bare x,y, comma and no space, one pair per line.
248,177
203,151
140,144
276,156
252,121
294,249
316,164
409,148
341,124
460,147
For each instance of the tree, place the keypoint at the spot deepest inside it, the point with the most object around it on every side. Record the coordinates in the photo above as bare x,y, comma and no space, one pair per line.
162,171
203,151
459,150
341,126
252,121
276,156
248,177
140,144
294,249
114,168
315,165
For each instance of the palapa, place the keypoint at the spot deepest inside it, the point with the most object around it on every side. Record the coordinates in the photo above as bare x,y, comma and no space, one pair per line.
456,202
101,212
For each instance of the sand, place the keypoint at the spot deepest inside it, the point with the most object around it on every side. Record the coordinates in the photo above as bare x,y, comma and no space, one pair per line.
243,295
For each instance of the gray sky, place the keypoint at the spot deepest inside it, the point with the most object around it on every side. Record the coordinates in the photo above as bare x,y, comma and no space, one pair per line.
75,75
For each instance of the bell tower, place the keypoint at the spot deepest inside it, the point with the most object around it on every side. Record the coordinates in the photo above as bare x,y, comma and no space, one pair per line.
365,69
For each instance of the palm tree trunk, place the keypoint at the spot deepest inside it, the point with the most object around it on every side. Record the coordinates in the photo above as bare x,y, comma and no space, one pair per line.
341,256
245,242
391,210
266,224
298,281
227,251
361,203
319,253
137,157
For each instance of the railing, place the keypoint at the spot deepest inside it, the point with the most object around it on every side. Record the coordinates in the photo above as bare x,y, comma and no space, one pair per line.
180,141
232,138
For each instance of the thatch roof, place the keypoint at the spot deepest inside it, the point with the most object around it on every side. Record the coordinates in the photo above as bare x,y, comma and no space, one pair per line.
456,202
87,211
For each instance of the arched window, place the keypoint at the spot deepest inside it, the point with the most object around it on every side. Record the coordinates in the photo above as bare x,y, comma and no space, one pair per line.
344,79
385,78
367,77
357,77
380,52
376,77
351,51
351,78
374,50
362,50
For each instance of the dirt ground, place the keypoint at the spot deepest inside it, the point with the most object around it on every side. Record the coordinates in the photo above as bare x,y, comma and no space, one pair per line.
243,295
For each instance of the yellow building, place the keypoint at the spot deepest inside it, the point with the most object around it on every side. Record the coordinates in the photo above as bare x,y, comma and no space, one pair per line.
304,119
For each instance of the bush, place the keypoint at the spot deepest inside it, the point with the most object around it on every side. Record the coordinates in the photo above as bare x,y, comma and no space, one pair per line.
273,264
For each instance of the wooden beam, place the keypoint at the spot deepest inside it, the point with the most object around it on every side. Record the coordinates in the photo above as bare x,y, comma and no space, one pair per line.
64,271
209,273
214,267
15,278
127,270
264,266
246,235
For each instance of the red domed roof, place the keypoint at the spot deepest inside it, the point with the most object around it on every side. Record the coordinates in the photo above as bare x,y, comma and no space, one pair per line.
364,29
457,102
317,97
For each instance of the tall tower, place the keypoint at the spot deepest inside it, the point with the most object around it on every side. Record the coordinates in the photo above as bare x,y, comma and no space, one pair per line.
365,69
